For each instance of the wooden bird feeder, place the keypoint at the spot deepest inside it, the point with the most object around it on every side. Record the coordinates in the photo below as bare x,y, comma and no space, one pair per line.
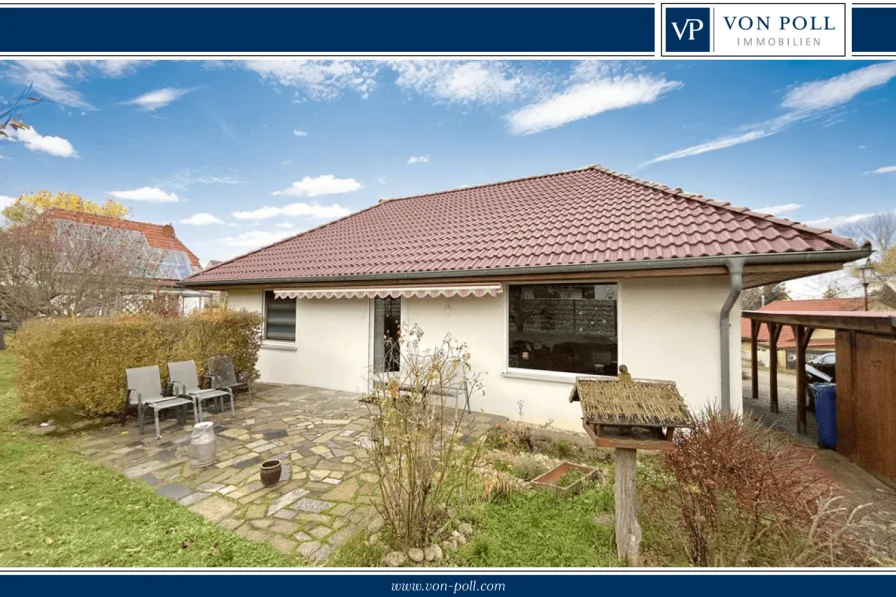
629,415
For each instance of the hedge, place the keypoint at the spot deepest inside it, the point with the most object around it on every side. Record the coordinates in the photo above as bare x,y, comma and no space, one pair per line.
78,364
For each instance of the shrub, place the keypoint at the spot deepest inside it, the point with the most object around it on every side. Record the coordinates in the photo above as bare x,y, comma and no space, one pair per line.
79,363
417,427
527,468
738,495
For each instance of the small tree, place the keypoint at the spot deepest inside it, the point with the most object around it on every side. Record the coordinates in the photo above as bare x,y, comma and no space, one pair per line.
11,111
27,208
417,418
879,230
72,269
756,298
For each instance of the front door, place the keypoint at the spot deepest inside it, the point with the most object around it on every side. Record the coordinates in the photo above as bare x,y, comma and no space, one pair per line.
386,331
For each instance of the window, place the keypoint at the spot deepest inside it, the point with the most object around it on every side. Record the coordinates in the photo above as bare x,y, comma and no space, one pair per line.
386,332
279,318
569,328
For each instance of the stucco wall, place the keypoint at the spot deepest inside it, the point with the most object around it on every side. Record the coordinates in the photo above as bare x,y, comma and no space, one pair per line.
668,329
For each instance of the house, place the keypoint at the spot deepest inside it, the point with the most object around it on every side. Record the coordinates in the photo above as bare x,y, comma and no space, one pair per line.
545,278
822,340
171,261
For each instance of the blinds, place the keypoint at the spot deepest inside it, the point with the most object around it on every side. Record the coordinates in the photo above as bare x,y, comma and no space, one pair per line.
279,318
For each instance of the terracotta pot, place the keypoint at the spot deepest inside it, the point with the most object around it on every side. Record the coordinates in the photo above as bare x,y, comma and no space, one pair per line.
270,472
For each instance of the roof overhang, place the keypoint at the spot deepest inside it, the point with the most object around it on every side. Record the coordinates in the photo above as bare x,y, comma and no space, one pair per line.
369,292
872,322
760,269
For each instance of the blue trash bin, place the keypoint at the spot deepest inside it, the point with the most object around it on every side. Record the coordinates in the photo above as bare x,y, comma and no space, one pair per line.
826,414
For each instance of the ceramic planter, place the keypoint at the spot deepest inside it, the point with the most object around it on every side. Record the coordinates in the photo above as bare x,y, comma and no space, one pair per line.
270,472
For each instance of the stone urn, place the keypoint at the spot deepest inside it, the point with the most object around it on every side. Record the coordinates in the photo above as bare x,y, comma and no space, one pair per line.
270,472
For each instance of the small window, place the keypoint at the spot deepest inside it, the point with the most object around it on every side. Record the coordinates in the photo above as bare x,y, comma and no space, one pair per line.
386,334
569,328
279,318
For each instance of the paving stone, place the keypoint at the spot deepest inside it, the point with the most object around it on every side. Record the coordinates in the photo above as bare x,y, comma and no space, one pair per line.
256,511
331,481
275,434
210,487
165,455
283,527
311,505
248,462
343,492
285,514
142,469
193,498
341,536
229,523
227,490
318,474
261,523
174,491
342,509
302,537
285,500
214,508
323,554
282,544
312,517
321,450
285,473
308,548
150,479
320,532
252,534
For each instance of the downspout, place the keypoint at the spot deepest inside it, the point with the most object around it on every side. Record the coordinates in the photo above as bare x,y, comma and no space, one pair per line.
736,272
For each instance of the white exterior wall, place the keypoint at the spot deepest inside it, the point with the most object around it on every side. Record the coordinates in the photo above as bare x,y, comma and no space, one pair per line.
668,329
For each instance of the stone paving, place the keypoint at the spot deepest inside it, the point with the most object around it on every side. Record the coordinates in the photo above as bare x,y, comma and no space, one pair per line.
326,489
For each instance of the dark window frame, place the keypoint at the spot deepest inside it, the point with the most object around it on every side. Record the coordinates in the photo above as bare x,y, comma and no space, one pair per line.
282,314
555,343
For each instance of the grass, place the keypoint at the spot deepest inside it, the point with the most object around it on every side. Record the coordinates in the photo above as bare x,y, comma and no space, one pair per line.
541,528
59,509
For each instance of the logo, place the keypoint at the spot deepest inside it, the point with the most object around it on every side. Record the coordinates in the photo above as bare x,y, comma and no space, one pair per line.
687,29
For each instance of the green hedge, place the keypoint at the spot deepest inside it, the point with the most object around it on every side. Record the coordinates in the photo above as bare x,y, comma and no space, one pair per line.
78,364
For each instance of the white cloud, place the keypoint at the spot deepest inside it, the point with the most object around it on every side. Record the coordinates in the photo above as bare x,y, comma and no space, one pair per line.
234,225
6,201
201,219
321,185
157,99
862,147
455,81
883,170
52,79
382,179
593,88
284,225
309,210
836,221
418,159
255,238
318,79
55,146
779,209
836,91
286,162
299,133
803,102
186,178
148,194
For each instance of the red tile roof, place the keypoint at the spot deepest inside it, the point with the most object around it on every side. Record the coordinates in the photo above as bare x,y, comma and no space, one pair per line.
159,236
586,216
787,339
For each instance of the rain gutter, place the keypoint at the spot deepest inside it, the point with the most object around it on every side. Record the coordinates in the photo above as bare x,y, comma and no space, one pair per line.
736,276
834,256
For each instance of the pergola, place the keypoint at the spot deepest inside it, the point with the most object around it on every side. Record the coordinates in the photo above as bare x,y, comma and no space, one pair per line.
804,323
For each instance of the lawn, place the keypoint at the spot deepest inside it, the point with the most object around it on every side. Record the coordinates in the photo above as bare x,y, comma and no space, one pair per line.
58,509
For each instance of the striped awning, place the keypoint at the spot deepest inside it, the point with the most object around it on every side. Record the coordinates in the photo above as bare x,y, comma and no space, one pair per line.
397,292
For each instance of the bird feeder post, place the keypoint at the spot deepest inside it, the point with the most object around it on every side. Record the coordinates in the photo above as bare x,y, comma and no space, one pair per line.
627,415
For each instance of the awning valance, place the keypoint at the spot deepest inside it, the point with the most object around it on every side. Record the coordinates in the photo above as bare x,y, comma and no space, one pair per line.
394,292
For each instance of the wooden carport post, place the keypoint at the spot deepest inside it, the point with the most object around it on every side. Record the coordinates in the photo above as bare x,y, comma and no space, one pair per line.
754,357
802,334
774,332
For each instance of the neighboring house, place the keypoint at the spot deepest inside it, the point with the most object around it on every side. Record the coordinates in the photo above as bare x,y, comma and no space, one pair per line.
545,278
171,261
822,340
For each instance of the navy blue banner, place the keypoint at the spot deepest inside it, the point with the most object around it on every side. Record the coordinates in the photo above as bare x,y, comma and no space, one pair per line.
343,30
874,29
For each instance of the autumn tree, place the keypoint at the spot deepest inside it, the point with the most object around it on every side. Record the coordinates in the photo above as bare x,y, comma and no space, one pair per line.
27,208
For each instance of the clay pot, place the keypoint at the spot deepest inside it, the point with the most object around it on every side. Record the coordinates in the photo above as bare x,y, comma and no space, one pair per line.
270,472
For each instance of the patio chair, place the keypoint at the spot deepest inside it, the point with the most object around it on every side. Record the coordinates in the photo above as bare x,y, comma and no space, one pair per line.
145,391
223,374
185,380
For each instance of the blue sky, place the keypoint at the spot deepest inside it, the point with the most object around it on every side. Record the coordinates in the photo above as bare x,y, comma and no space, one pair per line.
239,154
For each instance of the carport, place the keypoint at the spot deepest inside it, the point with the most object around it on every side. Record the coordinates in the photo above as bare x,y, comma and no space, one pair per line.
865,374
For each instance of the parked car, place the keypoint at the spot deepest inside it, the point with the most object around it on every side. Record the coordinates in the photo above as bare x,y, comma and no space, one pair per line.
825,364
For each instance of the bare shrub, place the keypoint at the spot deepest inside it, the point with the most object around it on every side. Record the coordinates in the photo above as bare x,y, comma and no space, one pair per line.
417,419
739,495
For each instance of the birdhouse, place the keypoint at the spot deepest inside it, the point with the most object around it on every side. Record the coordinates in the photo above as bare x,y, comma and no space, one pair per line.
639,414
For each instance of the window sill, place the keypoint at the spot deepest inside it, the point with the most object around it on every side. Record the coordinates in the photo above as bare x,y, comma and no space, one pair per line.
274,345
549,376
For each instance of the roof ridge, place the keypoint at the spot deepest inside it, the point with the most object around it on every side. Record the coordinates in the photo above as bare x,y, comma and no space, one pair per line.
825,233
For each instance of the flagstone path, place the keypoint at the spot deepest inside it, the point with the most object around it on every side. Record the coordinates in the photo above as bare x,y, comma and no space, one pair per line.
326,489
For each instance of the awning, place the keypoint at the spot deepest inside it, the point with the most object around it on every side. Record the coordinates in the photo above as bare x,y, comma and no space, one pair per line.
400,292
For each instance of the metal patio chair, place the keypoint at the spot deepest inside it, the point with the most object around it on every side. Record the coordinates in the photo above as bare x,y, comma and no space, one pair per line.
223,375
145,391
185,381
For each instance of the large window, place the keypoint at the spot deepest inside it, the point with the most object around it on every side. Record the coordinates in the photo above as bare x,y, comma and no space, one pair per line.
279,318
563,327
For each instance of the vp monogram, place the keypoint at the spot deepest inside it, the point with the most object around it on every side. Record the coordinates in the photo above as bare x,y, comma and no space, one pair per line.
691,26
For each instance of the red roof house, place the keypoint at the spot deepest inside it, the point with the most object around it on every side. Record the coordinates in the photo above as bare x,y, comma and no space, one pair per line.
544,278
787,339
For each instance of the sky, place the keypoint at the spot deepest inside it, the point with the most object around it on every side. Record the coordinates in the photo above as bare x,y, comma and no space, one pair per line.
239,154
